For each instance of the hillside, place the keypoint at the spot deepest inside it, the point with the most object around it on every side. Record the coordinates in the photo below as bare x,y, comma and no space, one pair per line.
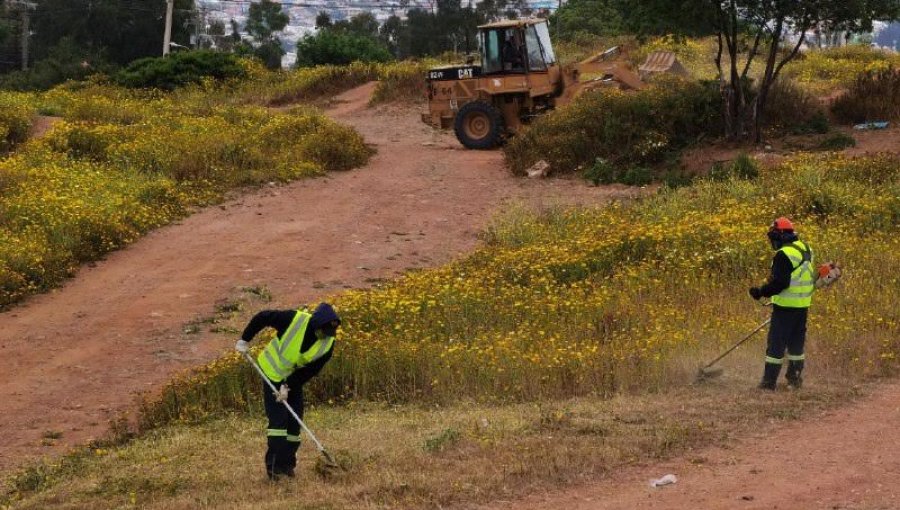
507,342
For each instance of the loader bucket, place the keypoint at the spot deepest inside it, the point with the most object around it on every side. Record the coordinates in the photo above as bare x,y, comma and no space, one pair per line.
661,62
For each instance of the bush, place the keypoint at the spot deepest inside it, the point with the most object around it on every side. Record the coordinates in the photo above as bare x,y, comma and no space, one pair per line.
275,89
16,117
336,48
627,129
179,69
837,142
791,109
821,71
401,81
874,96
743,167
65,61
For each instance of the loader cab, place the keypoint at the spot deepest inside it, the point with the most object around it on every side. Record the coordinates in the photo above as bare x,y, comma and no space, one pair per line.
516,47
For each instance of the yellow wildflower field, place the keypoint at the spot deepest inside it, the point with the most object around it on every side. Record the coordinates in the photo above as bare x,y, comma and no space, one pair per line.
599,301
123,162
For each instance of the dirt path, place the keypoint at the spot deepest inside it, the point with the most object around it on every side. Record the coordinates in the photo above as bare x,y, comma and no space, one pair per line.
846,459
75,357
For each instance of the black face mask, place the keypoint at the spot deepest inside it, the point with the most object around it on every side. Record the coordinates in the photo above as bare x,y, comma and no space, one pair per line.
327,331
774,240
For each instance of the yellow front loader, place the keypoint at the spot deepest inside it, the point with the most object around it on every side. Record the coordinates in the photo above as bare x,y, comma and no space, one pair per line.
517,79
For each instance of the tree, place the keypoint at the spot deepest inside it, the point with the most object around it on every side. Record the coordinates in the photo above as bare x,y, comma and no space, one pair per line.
394,35
364,24
323,20
773,30
339,48
123,31
597,17
264,20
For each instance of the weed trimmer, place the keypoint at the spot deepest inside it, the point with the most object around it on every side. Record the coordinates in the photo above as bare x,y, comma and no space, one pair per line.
329,460
708,372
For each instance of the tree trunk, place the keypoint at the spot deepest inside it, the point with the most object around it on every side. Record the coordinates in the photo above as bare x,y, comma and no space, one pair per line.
771,74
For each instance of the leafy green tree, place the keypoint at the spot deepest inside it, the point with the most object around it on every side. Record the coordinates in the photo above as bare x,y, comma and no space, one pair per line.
772,30
264,21
395,35
122,30
339,48
323,20
596,17
364,24
64,61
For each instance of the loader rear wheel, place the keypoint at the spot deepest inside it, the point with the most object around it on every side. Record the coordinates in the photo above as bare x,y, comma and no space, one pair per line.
479,126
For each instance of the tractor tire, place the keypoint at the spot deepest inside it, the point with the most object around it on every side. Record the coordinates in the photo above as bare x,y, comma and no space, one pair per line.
479,126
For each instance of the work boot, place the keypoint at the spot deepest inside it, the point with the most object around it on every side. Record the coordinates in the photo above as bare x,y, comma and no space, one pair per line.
765,384
770,376
795,368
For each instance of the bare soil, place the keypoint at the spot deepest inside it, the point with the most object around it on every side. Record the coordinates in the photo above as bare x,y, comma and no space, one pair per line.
846,459
699,160
42,124
77,357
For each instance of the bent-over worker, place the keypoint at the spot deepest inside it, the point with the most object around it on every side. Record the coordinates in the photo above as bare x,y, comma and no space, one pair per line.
303,346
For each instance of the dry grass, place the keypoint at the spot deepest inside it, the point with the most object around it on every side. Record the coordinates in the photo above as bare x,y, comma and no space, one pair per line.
411,457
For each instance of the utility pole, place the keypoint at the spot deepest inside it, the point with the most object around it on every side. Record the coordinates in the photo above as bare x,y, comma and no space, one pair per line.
25,32
167,37
25,36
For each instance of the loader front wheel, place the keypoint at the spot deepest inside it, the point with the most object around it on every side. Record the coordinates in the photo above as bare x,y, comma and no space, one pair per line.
479,126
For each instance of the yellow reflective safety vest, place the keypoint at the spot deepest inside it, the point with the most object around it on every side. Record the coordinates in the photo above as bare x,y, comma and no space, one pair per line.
283,355
799,292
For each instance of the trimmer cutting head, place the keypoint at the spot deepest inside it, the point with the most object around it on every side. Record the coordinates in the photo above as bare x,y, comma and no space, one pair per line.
706,373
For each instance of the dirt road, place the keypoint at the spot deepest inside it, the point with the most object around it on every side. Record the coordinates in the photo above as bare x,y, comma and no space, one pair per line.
76,357
847,459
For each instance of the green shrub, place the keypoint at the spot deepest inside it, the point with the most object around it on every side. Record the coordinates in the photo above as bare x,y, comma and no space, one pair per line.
742,167
874,96
791,109
837,142
401,81
601,172
16,117
336,48
65,61
179,69
626,129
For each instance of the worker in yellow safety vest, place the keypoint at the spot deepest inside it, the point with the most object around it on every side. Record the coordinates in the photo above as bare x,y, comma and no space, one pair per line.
790,287
303,346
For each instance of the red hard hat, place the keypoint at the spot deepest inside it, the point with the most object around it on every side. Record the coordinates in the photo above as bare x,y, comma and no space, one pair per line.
782,224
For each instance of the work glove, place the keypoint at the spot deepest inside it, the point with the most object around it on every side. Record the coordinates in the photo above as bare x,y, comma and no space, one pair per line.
755,293
242,346
282,393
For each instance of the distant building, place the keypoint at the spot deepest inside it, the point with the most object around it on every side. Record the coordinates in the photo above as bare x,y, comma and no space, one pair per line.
302,13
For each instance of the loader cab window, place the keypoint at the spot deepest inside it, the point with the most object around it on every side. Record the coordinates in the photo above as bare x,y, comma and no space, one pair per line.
543,35
490,47
535,55
504,51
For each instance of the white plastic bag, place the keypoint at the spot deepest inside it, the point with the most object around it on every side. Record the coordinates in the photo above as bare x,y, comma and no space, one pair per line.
666,480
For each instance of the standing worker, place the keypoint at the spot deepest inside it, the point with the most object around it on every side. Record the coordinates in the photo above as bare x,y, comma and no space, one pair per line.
790,288
304,344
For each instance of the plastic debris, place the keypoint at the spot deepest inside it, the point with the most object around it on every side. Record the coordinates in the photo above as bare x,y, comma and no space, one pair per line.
666,480
539,169
872,125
